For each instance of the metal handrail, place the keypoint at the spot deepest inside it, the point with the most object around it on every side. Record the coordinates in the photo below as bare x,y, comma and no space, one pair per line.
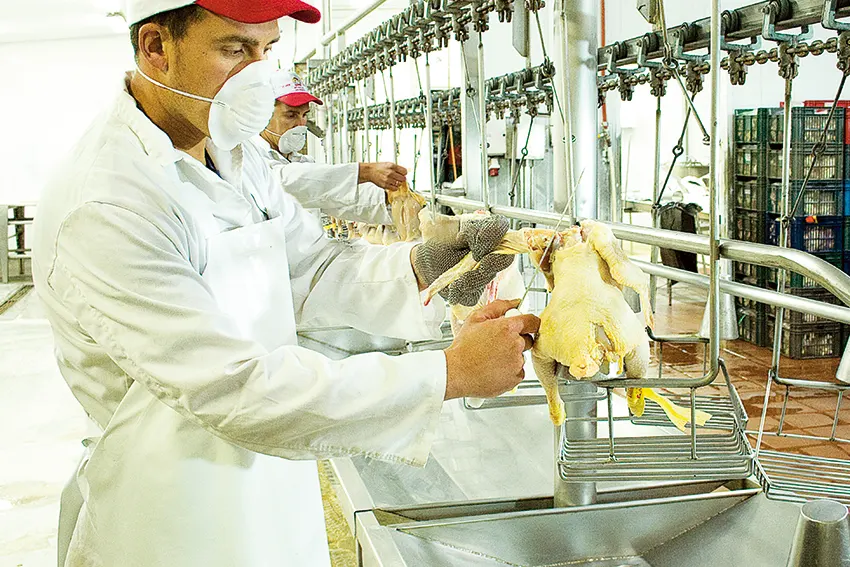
761,295
820,271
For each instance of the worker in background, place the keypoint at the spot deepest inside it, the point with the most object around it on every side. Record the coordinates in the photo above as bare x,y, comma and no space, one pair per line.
351,191
173,271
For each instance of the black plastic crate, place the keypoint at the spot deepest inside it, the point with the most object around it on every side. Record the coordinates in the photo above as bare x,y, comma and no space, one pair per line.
829,167
846,241
749,194
796,280
823,198
751,321
795,319
749,226
750,161
813,234
751,126
748,274
846,164
808,341
807,126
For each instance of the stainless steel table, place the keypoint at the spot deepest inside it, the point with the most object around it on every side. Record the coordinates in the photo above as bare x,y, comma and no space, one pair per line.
485,498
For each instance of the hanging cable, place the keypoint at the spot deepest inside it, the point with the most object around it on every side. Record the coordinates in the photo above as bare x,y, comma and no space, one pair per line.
817,151
678,150
547,60
524,154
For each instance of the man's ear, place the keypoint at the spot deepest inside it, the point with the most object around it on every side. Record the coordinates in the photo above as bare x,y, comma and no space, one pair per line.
152,45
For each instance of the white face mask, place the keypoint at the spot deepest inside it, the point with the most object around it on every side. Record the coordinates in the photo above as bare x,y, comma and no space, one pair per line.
242,107
292,140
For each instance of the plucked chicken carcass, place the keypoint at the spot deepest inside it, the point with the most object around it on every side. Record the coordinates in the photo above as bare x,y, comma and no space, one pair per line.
377,234
587,320
405,206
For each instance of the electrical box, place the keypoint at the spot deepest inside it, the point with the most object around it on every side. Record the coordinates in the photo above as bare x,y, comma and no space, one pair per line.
496,137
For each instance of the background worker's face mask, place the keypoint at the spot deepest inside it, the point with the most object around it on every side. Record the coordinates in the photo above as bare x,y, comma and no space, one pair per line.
292,140
242,107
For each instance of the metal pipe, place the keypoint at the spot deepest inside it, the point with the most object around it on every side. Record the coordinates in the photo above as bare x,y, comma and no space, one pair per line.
350,23
344,136
761,295
561,180
576,25
368,141
656,194
482,123
580,408
471,116
393,124
714,211
783,225
823,273
329,130
580,21
429,125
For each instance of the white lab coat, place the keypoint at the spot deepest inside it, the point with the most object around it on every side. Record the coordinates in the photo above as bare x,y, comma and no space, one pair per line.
190,399
332,188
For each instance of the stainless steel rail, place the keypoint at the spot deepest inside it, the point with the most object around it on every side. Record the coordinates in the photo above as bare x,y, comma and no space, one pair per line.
797,261
792,302
741,23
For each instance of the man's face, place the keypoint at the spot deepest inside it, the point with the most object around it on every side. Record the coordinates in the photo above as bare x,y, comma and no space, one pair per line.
287,117
212,50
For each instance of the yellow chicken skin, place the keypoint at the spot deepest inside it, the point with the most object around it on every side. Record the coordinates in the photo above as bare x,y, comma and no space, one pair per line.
586,322
405,206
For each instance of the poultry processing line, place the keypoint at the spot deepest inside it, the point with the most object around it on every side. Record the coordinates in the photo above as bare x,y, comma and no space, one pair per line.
723,451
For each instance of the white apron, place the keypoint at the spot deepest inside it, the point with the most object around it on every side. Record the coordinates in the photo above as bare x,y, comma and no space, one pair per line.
160,490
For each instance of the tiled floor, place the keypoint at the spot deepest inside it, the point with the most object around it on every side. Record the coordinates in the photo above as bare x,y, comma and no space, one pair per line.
809,412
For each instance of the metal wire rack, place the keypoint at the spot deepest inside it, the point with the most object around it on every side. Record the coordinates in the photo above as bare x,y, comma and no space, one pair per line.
800,478
718,450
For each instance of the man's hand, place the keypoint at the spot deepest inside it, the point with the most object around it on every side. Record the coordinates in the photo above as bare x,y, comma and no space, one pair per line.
485,359
480,237
386,175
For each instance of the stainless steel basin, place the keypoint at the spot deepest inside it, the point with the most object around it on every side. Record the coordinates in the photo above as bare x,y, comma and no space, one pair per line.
728,528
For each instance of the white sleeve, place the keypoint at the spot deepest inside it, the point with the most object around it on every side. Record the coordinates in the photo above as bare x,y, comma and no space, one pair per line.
334,189
126,277
371,288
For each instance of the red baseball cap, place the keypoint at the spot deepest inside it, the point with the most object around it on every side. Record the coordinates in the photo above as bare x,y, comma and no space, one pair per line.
292,92
245,11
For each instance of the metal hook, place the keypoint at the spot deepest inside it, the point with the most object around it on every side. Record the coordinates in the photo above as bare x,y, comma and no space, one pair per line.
828,21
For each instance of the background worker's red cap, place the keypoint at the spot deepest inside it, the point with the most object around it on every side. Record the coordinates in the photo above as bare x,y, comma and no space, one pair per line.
292,92
245,11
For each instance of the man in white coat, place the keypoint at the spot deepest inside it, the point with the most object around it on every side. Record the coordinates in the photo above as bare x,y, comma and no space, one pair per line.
173,271
350,191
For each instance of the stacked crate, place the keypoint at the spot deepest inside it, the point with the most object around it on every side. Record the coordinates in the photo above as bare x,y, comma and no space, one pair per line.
817,227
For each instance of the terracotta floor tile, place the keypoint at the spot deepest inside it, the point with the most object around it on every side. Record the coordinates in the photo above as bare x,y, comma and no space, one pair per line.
826,403
829,450
842,431
788,443
807,420
808,410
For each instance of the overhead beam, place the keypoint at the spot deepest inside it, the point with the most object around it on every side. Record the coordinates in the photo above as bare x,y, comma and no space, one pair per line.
743,23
